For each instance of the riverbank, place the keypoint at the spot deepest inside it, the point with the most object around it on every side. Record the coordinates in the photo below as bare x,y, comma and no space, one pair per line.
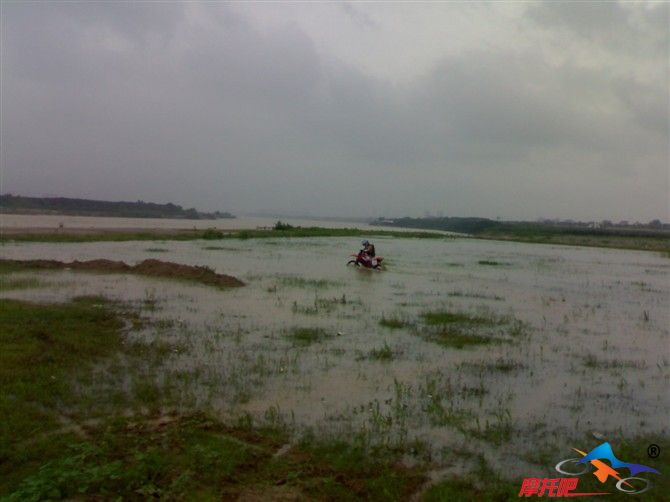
660,244
120,235
640,243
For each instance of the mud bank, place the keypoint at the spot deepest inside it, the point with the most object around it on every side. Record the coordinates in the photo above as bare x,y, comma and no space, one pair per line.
150,268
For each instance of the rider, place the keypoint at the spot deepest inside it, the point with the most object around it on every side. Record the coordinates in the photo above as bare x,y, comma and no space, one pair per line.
368,249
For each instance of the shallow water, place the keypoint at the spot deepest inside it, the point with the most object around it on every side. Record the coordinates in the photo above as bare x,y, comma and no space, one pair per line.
593,357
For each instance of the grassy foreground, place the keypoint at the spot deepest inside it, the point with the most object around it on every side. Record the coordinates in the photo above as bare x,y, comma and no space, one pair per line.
52,446
62,438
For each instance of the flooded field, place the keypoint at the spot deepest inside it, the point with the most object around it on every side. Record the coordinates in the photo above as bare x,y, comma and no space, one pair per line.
516,352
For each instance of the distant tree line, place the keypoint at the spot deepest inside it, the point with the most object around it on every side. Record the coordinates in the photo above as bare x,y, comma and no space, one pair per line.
85,207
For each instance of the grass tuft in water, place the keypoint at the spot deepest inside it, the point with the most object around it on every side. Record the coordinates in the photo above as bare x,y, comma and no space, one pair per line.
14,283
458,339
306,336
384,353
437,318
591,361
301,282
394,322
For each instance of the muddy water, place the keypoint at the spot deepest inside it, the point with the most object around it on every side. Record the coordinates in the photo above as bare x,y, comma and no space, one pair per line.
594,355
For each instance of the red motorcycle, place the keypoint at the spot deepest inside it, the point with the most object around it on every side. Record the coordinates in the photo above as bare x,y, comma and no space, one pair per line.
362,259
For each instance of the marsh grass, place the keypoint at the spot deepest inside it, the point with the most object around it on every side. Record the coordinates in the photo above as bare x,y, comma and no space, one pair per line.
305,336
320,305
497,430
455,338
301,282
395,322
44,349
224,248
499,365
156,250
441,317
480,296
441,415
7,267
384,353
42,346
214,234
591,361
14,283
330,303
175,457
484,483
461,330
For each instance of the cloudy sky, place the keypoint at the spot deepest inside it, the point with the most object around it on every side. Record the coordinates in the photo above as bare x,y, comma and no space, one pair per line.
503,109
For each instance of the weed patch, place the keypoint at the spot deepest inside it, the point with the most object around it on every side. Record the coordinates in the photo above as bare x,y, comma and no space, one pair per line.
306,336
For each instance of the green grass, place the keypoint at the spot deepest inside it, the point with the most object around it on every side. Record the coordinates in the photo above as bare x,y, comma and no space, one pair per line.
465,490
384,353
41,346
641,243
394,322
461,330
223,248
295,281
212,234
195,457
9,266
440,317
459,340
500,364
481,296
305,336
14,283
591,361
46,349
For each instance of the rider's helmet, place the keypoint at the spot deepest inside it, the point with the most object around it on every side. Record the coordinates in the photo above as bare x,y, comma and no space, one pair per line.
365,243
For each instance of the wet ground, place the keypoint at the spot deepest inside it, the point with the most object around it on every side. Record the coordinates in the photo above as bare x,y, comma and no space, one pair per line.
571,341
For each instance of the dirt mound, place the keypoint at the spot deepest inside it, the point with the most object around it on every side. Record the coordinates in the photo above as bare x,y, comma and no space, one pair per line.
150,268
205,275
106,265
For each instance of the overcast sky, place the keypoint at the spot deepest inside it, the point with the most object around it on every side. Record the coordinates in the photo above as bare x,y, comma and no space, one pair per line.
505,109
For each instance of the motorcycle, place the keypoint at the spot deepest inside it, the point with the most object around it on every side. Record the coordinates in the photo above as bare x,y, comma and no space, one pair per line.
363,260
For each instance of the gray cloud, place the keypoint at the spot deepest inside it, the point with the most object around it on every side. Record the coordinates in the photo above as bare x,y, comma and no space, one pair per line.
206,105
